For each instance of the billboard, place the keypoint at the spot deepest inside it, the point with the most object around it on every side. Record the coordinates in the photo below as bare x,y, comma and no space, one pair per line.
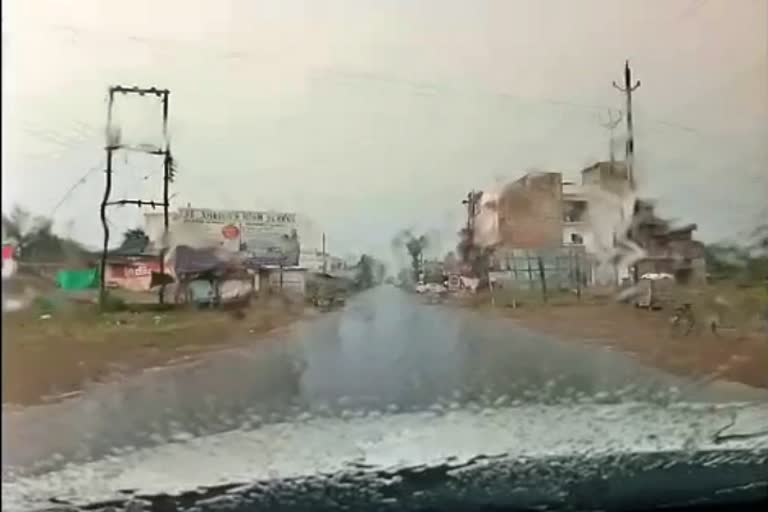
266,236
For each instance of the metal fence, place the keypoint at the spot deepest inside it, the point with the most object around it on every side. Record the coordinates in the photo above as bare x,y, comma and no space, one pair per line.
565,268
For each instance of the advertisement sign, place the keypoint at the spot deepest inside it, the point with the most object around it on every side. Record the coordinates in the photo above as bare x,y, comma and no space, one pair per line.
237,217
262,235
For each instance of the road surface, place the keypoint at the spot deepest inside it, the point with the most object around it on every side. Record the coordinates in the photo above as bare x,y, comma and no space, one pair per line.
386,352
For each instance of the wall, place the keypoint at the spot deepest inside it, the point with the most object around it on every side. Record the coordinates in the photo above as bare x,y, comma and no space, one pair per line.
131,275
232,289
312,260
293,280
611,178
530,212
563,268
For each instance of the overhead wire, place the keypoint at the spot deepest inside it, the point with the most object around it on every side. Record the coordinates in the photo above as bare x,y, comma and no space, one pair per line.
74,187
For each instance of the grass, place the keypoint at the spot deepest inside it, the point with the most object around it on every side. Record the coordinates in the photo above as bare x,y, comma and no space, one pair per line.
738,352
54,347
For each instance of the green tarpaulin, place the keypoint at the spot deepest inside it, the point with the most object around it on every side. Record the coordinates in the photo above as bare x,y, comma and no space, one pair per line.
77,279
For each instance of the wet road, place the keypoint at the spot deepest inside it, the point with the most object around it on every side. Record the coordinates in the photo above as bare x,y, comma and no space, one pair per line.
386,351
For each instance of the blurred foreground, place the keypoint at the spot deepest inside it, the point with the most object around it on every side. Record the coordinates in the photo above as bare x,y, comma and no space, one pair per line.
53,354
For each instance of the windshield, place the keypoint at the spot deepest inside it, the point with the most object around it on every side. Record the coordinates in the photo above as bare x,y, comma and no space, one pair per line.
405,255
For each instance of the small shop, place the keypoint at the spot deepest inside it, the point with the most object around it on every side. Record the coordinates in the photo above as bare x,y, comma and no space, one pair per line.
132,273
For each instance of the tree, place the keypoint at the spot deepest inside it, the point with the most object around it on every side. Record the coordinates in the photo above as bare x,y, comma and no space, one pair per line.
760,239
22,227
135,241
415,247
746,263
476,257
364,276
35,239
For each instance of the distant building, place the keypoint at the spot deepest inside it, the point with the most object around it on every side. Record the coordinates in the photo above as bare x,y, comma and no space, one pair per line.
131,272
291,281
609,176
316,261
670,250
529,212
540,212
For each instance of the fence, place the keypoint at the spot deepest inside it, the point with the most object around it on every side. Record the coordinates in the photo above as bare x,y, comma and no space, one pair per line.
543,271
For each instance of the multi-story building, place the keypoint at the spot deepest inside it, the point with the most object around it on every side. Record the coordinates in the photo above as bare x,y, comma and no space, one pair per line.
540,211
600,216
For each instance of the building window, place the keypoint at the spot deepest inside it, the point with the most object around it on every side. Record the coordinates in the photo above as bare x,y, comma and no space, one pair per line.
574,211
577,238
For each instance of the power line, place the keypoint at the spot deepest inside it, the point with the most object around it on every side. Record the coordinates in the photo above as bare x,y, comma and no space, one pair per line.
69,192
610,124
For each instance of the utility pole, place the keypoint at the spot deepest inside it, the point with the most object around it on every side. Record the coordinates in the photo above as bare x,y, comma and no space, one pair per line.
469,230
113,145
471,202
627,89
610,124
325,258
469,252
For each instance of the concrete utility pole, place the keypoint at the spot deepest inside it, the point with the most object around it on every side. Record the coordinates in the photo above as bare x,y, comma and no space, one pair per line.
113,144
627,89
471,203
325,258
610,124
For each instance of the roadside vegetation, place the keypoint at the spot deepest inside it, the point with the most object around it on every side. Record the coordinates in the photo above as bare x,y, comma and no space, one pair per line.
55,347
61,340
728,338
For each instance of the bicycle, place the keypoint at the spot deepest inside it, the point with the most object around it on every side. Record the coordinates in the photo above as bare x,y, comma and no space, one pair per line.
683,320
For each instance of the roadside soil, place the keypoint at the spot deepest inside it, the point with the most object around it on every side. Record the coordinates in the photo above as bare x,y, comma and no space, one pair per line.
647,336
50,355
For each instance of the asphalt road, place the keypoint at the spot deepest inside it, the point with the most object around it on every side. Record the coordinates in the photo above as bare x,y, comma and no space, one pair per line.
386,352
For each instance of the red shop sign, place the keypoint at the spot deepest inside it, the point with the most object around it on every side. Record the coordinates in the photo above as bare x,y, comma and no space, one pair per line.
230,232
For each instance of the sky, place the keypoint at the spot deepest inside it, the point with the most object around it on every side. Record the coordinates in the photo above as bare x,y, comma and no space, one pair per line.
370,116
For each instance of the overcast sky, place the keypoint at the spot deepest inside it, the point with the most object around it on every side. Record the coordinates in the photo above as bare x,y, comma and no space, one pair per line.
373,115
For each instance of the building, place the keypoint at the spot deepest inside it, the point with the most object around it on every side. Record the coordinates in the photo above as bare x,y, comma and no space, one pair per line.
131,272
541,212
668,249
612,177
529,212
316,261
290,281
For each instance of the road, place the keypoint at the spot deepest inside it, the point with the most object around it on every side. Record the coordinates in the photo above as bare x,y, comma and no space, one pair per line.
385,352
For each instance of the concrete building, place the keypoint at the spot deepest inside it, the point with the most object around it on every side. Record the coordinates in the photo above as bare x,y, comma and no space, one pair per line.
530,211
540,212
131,272
316,261
668,249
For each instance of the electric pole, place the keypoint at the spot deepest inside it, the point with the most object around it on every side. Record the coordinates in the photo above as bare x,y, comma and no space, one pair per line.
325,258
627,89
113,145
471,202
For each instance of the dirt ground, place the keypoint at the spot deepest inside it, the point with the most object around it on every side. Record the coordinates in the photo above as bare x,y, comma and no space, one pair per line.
733,354
47,355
